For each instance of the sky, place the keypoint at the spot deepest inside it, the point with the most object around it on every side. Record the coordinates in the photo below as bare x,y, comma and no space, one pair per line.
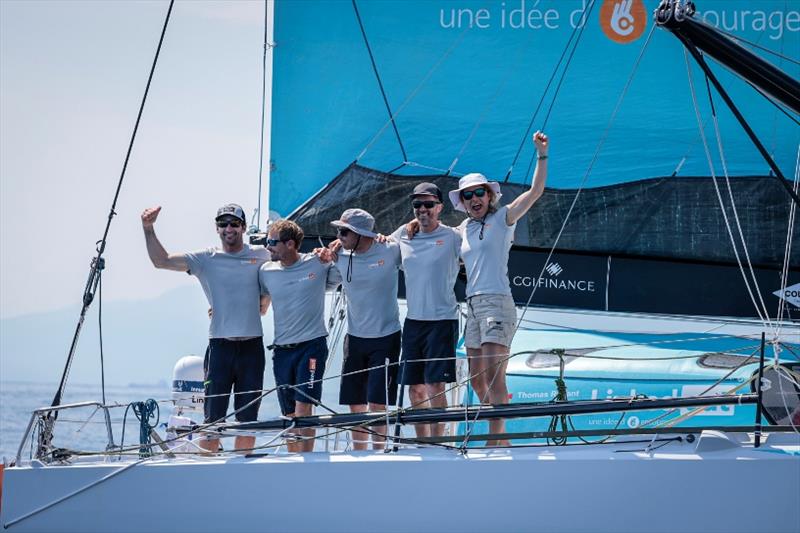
72,75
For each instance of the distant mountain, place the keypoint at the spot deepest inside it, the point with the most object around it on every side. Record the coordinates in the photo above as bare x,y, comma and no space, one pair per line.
142,340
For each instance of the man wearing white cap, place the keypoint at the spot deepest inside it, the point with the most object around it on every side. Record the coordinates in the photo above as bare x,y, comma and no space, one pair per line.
486,240
369,278
229,277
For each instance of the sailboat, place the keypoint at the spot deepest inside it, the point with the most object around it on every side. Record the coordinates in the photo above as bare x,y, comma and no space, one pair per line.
651,477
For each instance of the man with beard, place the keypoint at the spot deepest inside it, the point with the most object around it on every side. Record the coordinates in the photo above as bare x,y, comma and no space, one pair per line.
430,331
295,284
229,277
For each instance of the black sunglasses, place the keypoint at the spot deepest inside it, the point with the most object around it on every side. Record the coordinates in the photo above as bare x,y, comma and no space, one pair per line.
343,232
232,223
479,192
416,204
274,242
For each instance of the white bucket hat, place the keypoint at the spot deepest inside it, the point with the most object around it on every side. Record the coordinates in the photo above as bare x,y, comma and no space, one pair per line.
470,180
358,221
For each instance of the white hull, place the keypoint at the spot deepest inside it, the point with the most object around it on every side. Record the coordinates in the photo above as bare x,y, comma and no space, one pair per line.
717,483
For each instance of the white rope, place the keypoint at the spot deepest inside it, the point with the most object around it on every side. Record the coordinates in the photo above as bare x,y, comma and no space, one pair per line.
787,251
764,319
596,154
718,135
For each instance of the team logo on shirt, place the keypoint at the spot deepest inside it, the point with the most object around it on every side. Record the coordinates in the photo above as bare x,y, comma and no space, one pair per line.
439,242
379,263
251,261
311,275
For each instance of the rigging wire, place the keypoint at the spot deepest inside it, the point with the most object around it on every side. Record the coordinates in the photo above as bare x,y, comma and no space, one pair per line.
267,47
585,177
764,319
787,251
98,261
100,334
380,83
723,161
534,156
413,94
547,88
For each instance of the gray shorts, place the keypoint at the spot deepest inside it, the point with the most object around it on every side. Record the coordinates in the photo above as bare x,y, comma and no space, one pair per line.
490,318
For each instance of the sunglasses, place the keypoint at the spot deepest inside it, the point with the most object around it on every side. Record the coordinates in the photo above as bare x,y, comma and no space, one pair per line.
274,242
232,223
343,232
479,192
416,204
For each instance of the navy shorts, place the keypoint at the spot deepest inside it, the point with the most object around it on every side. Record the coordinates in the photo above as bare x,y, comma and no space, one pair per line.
360,353
300,365
238,365
429,351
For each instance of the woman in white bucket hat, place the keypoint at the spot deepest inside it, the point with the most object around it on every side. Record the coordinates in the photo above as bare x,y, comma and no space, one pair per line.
487,235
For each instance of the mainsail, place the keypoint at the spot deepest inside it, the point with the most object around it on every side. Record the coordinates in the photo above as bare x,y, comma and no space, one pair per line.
401,91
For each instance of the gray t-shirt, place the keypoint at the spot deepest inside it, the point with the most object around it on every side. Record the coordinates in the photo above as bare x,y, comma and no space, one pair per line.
430,262
298,297
230,282
486,260
372,309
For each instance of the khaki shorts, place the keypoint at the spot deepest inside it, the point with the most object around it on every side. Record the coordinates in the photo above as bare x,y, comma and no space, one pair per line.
490,318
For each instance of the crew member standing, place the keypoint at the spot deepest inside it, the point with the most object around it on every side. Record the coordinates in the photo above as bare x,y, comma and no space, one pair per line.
229,277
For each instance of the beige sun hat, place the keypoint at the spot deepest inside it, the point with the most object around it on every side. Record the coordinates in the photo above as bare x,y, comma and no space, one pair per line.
470,180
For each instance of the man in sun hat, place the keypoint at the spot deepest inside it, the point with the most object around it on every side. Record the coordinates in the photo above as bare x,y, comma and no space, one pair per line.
229,277
487,235
430,331
369,278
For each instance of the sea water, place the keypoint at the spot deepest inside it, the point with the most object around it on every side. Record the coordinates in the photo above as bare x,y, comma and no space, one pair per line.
85,429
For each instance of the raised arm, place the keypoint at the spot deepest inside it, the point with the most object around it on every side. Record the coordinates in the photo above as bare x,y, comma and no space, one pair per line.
523,202
158,255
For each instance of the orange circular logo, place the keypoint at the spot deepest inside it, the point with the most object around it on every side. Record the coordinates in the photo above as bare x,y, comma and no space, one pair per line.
623,21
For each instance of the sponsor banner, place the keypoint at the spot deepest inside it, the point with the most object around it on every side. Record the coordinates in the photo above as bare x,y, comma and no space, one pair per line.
567,280
694,289
636,285
791,295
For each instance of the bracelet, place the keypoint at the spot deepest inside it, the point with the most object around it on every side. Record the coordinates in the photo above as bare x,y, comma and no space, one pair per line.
539,158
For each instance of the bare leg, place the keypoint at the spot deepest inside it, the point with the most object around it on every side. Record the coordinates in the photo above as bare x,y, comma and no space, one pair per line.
210,445
496,360
419,399
244,444
487,367
436,398
379,437
307,444
360,437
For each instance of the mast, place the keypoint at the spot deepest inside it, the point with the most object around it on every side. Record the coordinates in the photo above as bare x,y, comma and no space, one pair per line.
265,151
696,36
679,19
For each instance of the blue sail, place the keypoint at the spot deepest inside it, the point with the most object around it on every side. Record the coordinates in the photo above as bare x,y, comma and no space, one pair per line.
370,97
463,80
